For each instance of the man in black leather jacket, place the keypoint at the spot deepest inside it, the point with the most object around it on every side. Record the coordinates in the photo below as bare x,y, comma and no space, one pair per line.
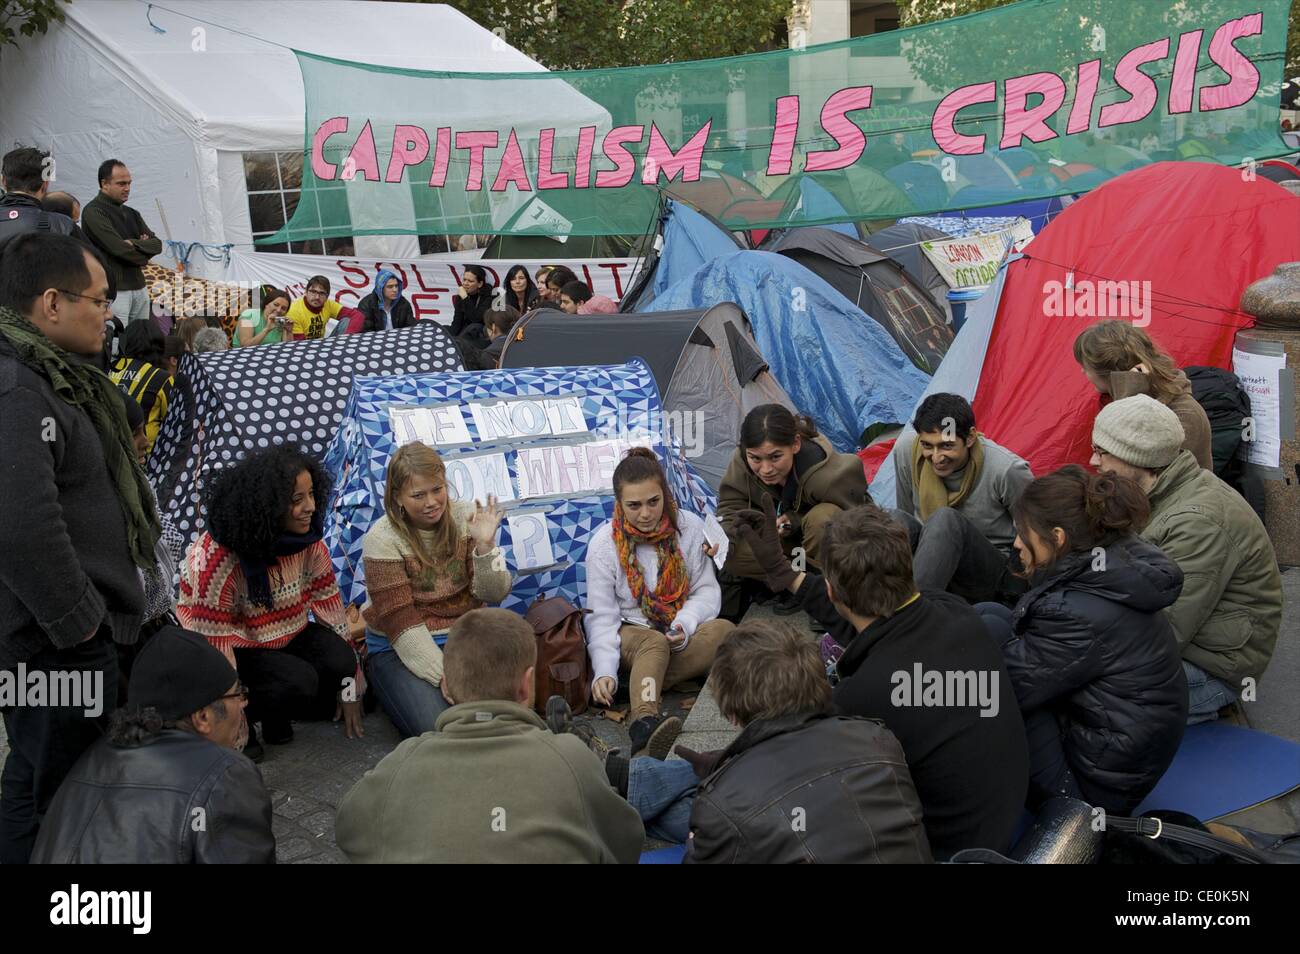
169,784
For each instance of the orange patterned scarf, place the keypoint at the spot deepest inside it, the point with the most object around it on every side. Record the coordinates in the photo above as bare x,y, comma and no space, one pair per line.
661,606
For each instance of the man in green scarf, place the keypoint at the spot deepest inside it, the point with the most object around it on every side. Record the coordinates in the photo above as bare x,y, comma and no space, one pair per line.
955,488
76,521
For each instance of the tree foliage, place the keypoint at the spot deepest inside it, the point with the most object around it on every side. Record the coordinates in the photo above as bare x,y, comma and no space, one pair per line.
24,18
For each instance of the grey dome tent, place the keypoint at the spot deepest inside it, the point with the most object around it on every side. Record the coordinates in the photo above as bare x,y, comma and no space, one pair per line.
902,243
708,369
877,285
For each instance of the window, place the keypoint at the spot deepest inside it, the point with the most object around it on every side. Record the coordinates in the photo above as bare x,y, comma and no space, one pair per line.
274,181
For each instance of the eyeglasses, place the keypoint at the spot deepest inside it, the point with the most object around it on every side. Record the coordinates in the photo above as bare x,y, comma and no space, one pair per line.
104,303
240,693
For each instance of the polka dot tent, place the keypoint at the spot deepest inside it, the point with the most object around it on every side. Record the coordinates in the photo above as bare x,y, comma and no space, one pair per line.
228,403
611,397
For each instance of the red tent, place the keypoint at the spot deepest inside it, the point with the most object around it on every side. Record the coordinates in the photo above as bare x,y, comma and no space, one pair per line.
1197,233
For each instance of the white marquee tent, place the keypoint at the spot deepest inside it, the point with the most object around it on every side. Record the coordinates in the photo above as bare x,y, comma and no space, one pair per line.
183,102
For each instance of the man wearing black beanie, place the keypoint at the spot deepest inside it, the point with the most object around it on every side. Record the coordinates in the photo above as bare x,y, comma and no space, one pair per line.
169,784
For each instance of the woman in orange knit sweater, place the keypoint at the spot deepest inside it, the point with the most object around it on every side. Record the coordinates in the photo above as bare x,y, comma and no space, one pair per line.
249,582
429,561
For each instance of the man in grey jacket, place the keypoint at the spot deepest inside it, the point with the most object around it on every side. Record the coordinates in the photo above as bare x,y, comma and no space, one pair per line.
492,784
1228,615
955,488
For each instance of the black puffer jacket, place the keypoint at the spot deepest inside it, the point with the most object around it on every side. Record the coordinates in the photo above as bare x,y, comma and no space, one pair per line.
809,788
1092,645
177,798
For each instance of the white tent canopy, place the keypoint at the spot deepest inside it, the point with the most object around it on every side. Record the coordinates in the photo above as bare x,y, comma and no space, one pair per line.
182,107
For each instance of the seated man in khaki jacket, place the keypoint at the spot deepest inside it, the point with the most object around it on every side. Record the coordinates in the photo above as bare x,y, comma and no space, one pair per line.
492,784
1229,613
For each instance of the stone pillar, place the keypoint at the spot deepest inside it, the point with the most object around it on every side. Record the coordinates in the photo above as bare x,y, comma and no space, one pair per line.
1275,303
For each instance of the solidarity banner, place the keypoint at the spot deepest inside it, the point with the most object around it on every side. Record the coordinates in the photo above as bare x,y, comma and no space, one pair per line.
973,261
430,282
1039,98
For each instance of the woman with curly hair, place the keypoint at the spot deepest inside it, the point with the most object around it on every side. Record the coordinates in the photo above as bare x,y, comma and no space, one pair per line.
250,580
429,561
1120,360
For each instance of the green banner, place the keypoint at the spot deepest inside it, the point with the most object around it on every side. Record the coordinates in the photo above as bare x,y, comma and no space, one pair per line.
1040,98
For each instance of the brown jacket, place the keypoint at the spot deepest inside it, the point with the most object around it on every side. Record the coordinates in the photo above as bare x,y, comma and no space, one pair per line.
834,478
1196,426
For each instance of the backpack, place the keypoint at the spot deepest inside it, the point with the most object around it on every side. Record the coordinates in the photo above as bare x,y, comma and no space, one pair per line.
562,666
1227,404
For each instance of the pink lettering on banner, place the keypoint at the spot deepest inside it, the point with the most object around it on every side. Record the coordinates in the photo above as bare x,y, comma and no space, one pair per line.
600,464
546,178
419,279
1243,77
945,115
320,167
624,163
780,155
1021,120
1184,79
1140,87
1085,91
363,156
568,467
410,147
512,168
685,162
476,142
847,134
586,145
441,156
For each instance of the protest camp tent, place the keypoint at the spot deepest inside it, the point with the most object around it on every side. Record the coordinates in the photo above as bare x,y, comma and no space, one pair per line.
548,455
204,101
685,239
228,403
1197,233
833,361
877,285
706,365
902,243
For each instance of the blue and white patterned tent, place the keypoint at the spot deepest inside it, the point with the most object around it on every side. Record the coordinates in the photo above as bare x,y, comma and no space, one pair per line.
618,403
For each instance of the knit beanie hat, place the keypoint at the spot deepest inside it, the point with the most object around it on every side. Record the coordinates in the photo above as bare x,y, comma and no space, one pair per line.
134,415
178,672
1139,430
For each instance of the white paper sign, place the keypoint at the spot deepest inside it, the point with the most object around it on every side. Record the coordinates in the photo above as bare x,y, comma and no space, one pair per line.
568,469
1259,374
436,426
474,477
516,419
973,261
717,537
530,540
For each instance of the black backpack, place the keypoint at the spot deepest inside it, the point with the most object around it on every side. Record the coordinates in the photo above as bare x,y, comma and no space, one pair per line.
1227,405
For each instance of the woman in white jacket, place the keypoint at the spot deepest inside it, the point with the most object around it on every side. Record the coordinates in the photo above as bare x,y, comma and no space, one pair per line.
653,597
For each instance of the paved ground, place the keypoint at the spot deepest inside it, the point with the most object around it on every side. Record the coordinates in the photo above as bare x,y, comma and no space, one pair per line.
309,777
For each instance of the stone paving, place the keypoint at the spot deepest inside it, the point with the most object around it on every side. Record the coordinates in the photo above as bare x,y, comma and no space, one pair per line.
309,777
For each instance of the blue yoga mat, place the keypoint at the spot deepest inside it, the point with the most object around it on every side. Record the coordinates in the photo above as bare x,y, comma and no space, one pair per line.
672,855
1220,769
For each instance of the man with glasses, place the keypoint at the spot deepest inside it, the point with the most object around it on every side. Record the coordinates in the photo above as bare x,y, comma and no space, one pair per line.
168,785
312,312
126,241
77,522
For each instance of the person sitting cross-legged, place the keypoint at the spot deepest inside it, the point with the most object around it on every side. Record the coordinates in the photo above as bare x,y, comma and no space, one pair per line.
168,785
955,488
967,754
1227,617
493,784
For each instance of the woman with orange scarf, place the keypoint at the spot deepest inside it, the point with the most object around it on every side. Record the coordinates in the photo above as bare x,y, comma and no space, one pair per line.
653,597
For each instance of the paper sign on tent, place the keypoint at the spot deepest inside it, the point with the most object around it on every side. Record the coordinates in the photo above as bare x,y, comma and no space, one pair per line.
530,540
475,476
442,426
515,419
568,469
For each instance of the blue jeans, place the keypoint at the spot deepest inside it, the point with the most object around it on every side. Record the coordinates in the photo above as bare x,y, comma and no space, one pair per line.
1206,694
412,703
663,794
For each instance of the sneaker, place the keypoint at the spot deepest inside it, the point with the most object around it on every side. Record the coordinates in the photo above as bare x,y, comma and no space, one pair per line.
559,717
654,736
253,748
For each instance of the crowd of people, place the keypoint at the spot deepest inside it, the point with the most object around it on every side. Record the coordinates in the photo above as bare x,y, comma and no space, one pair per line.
1085,617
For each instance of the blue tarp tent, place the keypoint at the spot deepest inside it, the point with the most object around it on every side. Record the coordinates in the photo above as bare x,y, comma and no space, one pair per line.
689,240
544,440
835,362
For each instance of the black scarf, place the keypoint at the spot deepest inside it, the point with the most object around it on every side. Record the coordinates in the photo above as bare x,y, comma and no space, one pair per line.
257,573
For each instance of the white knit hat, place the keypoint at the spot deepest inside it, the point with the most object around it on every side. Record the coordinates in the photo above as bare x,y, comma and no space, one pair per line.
1139,430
